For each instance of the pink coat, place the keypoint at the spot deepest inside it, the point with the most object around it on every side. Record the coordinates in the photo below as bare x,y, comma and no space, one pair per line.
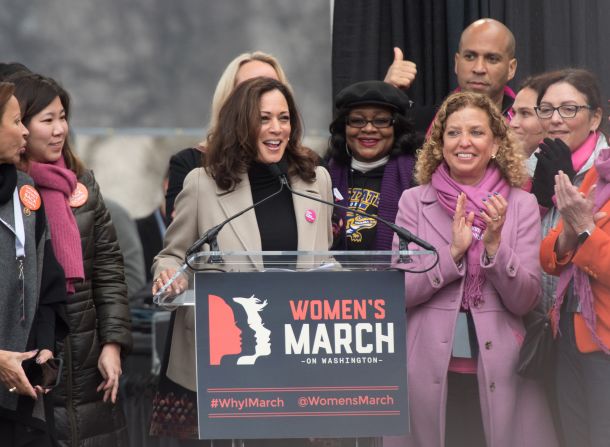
514,409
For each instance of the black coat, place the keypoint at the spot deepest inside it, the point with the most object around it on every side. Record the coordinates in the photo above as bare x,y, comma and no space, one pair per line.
152,241
180,165
98,313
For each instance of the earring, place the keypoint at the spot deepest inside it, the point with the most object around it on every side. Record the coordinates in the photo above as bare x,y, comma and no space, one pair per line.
493,156
348,151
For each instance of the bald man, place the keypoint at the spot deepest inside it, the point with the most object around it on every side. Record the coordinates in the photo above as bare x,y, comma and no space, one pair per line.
484,63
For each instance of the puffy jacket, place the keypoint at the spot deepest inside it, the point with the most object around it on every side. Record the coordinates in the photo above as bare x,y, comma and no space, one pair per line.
98,313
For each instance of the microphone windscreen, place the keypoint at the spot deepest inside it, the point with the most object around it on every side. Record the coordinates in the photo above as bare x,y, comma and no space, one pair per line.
283,165
275,169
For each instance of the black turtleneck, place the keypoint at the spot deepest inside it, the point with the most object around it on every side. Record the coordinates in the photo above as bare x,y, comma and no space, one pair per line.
8,181
277,223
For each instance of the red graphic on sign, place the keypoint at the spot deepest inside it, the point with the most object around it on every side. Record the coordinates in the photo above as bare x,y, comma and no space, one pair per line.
225,336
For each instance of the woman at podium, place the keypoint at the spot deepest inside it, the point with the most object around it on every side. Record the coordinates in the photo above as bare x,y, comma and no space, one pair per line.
258,126
464,316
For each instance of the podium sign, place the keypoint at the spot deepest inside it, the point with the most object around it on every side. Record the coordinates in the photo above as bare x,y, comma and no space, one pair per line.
301,354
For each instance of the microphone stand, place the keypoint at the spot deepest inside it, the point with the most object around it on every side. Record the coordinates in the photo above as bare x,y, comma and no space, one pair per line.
404,235
210,236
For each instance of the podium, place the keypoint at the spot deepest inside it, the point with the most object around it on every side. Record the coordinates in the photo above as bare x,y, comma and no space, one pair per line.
297,344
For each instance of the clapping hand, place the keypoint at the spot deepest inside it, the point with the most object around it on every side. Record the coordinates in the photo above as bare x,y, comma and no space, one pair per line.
461,229
494,216
554,156
576,210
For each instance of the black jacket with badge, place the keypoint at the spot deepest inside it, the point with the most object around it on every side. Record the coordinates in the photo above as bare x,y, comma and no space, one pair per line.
98,313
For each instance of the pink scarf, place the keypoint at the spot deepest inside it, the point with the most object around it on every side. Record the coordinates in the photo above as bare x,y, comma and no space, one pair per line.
447,191
582,154
582,286
56,183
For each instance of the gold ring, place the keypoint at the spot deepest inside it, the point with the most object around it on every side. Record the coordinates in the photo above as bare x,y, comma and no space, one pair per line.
12,390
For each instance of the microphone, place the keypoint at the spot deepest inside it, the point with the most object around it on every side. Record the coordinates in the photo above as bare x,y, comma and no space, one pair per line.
279,170
209,237
405,236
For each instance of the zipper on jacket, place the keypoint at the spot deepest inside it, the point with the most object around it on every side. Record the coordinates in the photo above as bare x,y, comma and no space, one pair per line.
69,403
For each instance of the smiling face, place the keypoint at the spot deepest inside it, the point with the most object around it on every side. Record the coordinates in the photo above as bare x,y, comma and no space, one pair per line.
525,123
48,133
573,131
369,143
274,131
13,133
468,145
484,63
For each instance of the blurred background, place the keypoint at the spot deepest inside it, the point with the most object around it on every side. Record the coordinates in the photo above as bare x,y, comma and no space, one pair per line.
142,73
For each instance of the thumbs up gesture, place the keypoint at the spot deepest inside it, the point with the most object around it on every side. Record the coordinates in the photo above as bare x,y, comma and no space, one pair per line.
401,73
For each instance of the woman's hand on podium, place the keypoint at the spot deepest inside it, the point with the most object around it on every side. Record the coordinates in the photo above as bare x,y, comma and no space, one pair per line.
176,288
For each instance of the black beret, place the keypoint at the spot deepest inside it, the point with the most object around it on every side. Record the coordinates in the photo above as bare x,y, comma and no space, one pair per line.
375,93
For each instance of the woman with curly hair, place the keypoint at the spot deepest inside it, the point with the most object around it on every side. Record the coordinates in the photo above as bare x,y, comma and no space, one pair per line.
464,316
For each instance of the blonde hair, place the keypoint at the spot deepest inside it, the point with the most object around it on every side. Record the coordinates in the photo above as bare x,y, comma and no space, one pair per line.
509,158
226,83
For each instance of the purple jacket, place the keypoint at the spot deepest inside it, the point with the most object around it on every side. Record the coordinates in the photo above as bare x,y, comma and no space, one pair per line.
514,409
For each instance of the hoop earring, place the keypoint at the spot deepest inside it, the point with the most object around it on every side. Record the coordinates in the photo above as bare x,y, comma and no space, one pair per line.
348,151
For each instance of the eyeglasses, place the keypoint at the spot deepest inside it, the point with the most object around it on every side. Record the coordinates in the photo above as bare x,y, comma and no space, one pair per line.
568,111
379,123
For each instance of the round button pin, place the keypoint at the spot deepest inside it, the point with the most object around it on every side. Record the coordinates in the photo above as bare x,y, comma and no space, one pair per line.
79,196
30,197
310,216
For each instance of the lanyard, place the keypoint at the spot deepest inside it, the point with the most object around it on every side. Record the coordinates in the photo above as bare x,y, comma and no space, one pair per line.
19,228
19,251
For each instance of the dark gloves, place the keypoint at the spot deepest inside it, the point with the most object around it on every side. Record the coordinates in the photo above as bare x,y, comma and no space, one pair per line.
554,156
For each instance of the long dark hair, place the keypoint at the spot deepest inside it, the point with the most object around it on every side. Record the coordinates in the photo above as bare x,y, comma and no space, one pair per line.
233,142
35,92
406,139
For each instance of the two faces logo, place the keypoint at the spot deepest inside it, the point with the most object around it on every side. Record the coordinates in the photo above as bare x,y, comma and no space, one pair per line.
226,336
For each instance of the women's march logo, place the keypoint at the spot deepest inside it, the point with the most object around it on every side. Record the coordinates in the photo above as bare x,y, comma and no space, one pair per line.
226,335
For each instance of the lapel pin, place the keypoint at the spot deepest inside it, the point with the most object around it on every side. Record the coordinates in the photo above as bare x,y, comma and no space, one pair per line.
29,198
310,216
79,196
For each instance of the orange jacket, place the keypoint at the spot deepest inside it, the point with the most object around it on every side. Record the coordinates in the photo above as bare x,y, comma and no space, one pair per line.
592,257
